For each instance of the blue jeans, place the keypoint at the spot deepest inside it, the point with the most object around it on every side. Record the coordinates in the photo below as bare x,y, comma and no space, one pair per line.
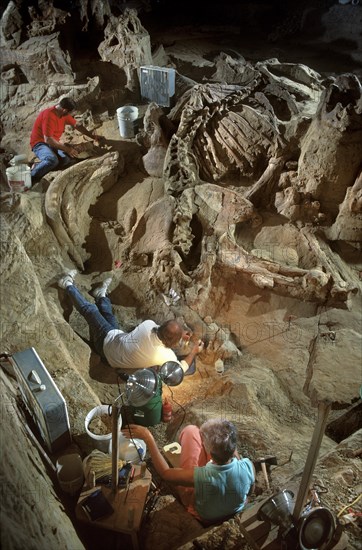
49,159
100,317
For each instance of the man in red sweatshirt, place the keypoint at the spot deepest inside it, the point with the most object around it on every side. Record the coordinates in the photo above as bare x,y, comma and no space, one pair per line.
46,133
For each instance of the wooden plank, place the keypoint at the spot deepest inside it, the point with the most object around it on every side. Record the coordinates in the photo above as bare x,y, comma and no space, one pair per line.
124,500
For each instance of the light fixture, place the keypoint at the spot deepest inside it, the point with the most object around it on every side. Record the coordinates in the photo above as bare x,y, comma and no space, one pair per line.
316,529
141,386
278,510
171,373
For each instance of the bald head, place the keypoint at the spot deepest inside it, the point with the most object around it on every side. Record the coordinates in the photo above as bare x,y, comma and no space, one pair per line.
170,333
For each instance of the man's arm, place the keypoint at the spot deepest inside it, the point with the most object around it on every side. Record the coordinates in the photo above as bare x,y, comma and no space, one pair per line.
83,130
71,151
195,350
178,476
62,146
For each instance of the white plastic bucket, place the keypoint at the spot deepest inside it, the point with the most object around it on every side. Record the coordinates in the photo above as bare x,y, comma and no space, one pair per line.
128,451
19,178
101,442
126,120
70,473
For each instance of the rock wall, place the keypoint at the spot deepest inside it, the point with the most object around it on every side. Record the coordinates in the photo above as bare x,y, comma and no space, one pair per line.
32,514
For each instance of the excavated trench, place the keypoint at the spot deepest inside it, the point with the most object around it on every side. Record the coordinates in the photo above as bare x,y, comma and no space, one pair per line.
346,423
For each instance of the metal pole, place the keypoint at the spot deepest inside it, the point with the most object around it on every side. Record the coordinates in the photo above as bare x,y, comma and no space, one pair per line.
323,412
115,434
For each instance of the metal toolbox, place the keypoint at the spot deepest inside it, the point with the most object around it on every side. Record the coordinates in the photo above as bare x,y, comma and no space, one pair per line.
157,84
42,398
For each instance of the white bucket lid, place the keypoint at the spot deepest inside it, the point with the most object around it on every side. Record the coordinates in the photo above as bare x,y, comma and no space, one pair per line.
128,112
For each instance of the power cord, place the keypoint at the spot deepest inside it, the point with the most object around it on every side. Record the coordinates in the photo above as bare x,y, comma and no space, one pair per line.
139,451
182,408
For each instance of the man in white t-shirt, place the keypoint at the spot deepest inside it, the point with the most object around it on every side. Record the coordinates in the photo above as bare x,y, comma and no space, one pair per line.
148,345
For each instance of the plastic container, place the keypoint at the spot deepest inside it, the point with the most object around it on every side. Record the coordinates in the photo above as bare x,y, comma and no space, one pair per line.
151,413
129,451
18,174
166,411
219,366
101,442
70,473
126,121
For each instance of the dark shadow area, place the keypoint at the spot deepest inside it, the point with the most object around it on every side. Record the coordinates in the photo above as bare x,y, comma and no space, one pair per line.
192,259
199,74
140,231
123,296
317,56
280,107
349,254
346,423
245,234
101,371
96,243
65,303
92,537
212,12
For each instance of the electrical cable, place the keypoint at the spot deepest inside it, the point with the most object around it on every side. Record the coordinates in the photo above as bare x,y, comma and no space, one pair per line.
152,501
349,505
181,407
158,489
139,451
118,384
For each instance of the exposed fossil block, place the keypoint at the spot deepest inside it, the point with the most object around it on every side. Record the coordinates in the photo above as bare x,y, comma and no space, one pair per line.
126,44
40,58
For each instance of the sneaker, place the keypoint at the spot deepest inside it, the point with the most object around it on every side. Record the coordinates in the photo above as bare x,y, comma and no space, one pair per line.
102,290
67,278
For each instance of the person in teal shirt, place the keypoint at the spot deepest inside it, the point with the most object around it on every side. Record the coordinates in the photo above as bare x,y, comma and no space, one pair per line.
213,481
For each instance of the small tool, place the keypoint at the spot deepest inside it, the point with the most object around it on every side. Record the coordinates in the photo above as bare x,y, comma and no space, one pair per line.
267,460
261,464
265,473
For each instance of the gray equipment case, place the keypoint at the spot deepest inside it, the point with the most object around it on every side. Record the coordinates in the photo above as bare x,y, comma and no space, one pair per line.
42,398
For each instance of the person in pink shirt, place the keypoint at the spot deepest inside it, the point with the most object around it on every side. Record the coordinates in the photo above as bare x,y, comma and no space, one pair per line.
212,480
46,134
